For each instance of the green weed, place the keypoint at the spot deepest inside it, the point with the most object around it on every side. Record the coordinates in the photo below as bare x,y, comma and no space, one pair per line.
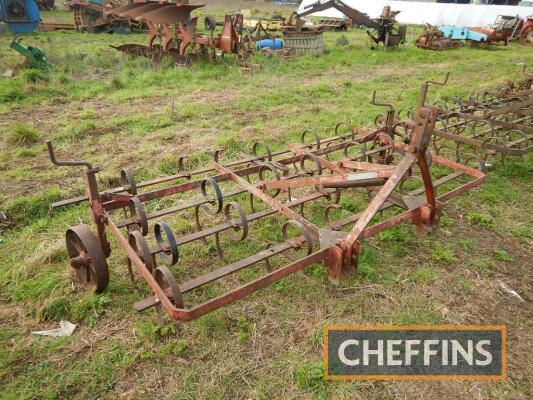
342,41
34,75
244,329
310,378
423,275
26,152
476,218
443,255
89,308
149,330
502,255
88,113
212,325
116,83
20,134
59,308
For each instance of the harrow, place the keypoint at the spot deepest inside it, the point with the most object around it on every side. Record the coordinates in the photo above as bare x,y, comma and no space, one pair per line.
488,126
308,192
481,129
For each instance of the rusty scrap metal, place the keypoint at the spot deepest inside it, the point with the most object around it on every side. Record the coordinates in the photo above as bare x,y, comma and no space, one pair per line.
288,189
495,35
433,39
383,29
172,32
95,17
525,30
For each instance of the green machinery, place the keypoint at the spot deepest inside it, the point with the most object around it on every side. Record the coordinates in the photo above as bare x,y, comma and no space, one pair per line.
33,56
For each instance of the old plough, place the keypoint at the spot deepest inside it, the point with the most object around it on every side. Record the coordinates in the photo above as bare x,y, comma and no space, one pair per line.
172,31
302,199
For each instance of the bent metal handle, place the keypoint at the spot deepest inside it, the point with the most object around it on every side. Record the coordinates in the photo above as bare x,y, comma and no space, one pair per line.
55,161
424,92
440,83
374,102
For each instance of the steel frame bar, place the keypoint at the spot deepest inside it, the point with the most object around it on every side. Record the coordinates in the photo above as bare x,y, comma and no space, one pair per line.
189,174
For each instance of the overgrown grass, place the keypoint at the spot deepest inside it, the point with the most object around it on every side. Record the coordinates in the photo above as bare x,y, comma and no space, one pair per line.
117,111
21,134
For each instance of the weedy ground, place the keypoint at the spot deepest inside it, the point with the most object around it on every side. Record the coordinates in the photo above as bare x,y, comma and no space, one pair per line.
116,111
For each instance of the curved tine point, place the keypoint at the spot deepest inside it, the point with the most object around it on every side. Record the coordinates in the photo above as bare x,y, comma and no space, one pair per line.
217,154
51,151
181,163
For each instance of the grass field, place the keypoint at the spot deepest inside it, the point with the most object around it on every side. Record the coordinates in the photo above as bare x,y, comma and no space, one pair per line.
115,111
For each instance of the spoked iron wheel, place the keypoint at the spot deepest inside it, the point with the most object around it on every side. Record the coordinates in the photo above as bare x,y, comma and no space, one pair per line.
87,257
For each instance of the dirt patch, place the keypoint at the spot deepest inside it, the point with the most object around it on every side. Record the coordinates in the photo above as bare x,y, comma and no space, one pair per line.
45,117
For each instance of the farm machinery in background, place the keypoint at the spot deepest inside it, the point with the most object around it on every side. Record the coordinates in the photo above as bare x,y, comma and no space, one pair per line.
22,16
172,32
95,16
503,30
380,30
526,30
46,5
448,37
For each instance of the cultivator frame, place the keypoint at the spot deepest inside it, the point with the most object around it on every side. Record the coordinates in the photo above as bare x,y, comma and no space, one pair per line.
488,126
380,169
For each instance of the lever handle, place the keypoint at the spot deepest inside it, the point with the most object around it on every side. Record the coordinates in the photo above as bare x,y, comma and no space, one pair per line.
55,161
373,101
439,83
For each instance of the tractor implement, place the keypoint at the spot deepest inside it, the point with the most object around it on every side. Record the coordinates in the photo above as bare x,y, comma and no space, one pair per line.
303,192
380,30
172,32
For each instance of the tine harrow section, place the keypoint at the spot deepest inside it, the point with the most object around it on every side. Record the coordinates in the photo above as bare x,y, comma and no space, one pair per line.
265,216
488,126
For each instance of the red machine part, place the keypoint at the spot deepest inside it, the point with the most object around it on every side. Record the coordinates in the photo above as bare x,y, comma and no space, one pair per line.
172,30
526,34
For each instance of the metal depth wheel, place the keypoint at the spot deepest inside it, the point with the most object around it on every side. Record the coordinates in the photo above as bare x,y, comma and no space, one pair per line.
87,257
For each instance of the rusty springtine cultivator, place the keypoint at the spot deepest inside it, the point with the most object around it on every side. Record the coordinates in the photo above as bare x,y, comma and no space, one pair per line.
481,129
308,192
172,31
488,126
